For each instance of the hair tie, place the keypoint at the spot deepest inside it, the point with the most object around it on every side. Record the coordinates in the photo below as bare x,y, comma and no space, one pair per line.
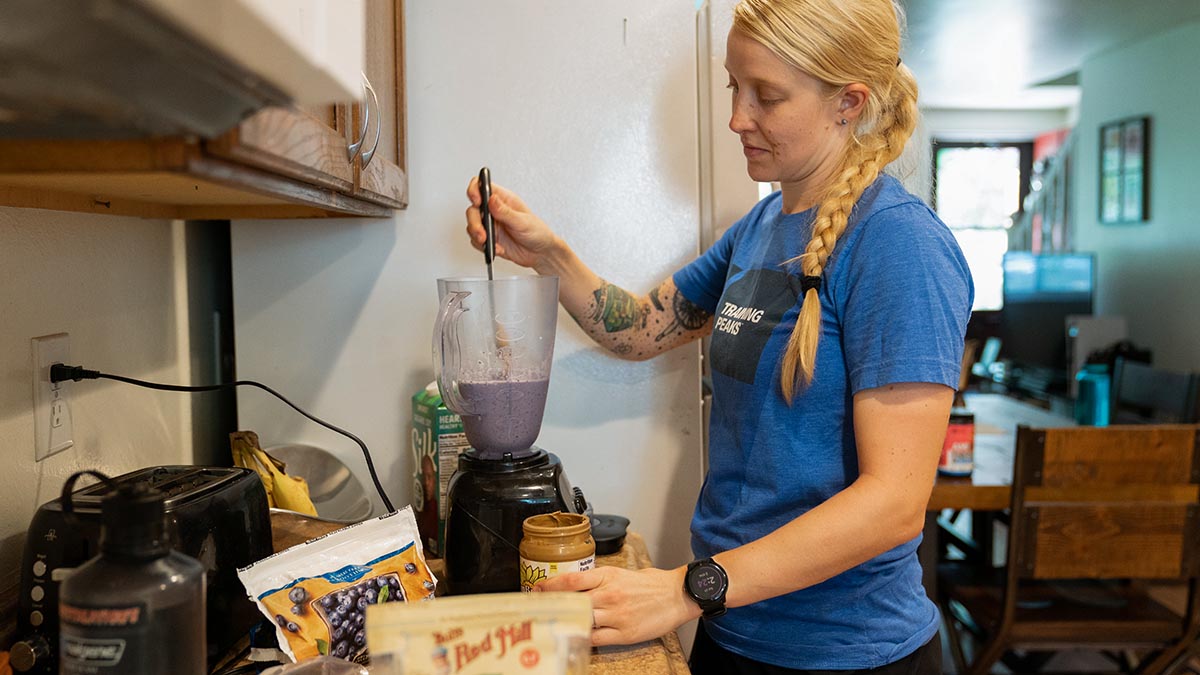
897,61
808,283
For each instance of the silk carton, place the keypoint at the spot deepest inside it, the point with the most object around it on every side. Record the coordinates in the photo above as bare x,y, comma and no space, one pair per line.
437,441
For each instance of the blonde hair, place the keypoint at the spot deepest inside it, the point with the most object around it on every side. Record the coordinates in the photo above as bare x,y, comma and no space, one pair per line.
838,42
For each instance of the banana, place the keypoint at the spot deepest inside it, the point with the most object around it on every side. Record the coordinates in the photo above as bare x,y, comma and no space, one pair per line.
290,492
242,444
283,491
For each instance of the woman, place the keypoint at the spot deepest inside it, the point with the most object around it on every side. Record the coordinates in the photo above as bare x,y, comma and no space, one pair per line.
837,309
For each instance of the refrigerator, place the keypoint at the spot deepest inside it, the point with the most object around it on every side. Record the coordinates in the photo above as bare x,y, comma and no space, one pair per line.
609,119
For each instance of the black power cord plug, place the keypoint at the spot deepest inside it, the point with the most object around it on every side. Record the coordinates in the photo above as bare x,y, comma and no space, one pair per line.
61,372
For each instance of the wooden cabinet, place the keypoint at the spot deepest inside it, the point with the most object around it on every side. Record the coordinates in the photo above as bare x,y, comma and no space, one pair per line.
380,177
281,162
305,145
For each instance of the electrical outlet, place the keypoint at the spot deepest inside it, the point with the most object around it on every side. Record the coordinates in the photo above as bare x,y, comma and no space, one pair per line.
51,409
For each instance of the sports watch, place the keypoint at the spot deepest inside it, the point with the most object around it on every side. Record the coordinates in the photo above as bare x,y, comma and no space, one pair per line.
706,582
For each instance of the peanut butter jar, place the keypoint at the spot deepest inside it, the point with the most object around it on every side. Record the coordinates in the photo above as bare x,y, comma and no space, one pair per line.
553,544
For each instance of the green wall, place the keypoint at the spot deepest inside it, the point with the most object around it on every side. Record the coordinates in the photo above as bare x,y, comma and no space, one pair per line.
1149,272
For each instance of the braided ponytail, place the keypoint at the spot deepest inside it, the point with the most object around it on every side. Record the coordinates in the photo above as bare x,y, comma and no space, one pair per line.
839,42
862,164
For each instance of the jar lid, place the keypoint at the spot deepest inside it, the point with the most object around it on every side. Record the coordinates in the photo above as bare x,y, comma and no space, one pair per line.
609,532
557,524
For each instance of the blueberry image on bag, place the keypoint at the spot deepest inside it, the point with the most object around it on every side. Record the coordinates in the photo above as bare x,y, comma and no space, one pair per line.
344,612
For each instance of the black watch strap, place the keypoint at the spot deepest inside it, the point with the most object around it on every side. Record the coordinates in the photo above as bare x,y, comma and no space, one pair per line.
707,583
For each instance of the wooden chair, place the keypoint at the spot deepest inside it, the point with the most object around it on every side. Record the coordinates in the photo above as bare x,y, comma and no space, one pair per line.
1144,394
1112,506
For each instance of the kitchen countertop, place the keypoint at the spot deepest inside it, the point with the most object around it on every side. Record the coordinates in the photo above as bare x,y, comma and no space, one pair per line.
662,656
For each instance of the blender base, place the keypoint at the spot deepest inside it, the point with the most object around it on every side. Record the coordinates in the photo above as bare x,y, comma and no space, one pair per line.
489,500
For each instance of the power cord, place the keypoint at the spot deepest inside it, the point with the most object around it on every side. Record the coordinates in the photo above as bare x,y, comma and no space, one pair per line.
61,373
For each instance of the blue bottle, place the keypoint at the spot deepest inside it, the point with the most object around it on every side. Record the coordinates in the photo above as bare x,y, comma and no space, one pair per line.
1091,405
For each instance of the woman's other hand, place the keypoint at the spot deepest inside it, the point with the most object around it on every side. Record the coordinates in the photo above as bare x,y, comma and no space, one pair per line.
521,236
629,606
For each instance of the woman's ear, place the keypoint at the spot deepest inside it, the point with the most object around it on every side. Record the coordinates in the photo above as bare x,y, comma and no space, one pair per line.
852,100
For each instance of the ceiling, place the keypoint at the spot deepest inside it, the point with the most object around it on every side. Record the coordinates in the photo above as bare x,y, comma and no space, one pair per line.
992,53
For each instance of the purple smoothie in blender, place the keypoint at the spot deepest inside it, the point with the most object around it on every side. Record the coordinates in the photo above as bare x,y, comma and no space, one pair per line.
508,415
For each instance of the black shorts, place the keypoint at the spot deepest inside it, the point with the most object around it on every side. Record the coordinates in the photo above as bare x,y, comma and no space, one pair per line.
710,658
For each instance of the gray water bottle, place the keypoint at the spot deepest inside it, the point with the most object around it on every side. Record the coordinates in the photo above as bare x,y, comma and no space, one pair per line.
138,607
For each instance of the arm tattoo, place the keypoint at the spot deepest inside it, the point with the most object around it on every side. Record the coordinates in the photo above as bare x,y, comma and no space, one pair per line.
601,295
691,315
654,298
617,309
688,316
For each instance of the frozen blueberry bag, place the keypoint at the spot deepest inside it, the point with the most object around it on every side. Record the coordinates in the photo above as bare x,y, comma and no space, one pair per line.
317,592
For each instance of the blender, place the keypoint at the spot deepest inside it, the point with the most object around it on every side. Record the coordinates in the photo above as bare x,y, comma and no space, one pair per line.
492,347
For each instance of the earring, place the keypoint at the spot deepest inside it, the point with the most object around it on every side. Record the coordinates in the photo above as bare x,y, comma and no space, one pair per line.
844,122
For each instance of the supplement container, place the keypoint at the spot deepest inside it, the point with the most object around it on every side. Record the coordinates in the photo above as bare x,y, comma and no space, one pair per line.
958,450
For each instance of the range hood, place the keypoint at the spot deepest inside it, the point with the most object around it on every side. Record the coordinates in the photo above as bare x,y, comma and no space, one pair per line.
129,69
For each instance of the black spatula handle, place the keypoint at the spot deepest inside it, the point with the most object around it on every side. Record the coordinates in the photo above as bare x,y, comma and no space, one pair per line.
485,194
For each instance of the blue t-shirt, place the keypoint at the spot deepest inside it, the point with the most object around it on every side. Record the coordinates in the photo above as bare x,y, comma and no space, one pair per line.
895,298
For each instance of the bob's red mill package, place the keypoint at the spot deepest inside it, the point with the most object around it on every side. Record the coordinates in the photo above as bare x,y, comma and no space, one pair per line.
527,633
317,593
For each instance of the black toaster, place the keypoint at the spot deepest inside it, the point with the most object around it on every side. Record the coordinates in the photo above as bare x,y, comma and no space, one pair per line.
217,515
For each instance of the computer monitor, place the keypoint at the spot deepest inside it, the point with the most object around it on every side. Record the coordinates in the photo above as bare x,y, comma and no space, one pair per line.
1040,292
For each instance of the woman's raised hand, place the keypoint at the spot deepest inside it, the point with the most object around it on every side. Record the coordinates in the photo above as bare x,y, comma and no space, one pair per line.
521,236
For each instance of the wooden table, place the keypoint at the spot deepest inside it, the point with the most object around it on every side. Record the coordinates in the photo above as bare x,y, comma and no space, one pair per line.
988,488
662,656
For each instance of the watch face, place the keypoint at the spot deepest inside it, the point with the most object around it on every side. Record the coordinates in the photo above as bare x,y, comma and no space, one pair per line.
706,583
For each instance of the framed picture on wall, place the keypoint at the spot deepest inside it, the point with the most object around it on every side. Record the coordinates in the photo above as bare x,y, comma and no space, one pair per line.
1124,171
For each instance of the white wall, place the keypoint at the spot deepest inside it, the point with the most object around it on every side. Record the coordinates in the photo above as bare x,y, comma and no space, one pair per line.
993,125
1147,272
732,192
588,110
112,284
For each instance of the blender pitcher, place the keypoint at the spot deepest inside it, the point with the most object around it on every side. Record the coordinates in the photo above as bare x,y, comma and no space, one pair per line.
492,346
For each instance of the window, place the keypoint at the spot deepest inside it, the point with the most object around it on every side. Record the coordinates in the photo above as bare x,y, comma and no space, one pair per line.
977,190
